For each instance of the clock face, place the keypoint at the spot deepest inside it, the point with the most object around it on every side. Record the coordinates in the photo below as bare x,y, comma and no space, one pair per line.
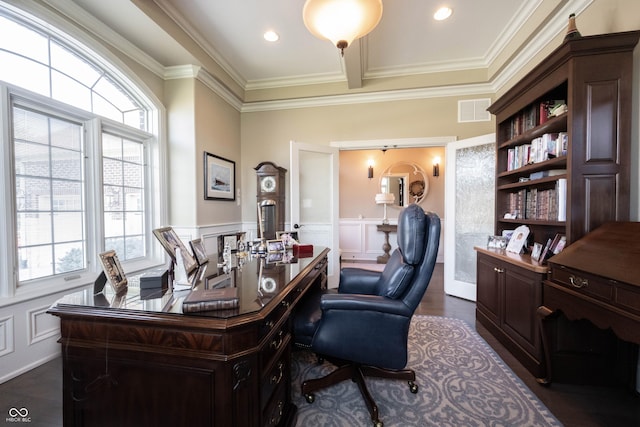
268,184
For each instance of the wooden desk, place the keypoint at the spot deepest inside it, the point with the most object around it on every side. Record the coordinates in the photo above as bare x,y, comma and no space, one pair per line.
596,278
137,360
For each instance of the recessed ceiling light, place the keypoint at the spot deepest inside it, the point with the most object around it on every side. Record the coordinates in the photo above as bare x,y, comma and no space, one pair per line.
442,13
271,36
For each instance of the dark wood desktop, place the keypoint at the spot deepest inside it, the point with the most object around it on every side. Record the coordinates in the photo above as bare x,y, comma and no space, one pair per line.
137,360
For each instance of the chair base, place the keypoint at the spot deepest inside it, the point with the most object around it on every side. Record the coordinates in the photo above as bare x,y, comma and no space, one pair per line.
357,373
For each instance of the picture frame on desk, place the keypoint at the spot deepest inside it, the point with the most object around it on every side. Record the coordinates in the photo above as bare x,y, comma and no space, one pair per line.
199,252
170,241
275,246
219,178
113,271
536,252
497,242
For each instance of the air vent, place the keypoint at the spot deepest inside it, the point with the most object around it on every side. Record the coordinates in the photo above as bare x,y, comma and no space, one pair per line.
474,110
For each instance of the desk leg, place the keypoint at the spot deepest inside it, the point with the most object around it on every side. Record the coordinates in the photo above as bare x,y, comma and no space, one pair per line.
386,247
544,314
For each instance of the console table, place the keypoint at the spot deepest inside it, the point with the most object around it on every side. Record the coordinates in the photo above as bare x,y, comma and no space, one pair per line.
386,247
137,360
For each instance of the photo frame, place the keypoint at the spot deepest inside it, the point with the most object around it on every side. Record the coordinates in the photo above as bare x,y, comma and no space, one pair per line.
497,242
536,252
219,178
113,271
518,239
288,237
275,246
170,241
199,252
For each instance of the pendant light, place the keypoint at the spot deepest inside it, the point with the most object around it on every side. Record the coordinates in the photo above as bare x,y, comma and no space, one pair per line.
341,21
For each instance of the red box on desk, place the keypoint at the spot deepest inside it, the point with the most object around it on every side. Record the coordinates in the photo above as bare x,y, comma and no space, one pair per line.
303,251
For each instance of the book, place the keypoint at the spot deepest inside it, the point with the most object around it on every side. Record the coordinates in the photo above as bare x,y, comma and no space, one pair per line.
210,299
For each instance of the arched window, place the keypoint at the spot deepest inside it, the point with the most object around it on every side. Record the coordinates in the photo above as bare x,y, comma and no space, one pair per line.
79,177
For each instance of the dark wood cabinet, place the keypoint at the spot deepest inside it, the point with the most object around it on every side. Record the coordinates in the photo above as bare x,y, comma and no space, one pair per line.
564,173
137,360
509,293
592,76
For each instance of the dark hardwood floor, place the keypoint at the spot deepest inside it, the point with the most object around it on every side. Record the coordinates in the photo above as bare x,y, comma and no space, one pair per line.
40,390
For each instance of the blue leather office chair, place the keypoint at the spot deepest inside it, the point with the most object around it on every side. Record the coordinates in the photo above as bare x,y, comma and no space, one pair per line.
363,327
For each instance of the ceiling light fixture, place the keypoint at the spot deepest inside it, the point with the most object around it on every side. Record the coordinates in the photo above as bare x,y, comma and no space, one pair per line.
341,21
442,13
271,36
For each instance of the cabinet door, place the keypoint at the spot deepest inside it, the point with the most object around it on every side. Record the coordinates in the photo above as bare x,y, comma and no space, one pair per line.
522,296
488,296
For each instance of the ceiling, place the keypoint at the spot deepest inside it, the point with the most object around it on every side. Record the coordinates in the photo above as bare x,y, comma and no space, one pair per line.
407,41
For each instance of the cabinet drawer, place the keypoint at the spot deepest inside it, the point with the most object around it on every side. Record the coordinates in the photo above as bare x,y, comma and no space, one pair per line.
272,415
582,282
273,346
272,378
628,297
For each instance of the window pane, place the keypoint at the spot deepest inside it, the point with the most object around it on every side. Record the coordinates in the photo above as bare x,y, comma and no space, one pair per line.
67,226
66,164
67,196
134,200
35,262
132,151
103,108
72,65
24,73
30,126
108,90
132,175
32,159
113,224
112,171
32,194
134,223
70,91
65,134
69,257
111,146
24,41
34,229
134,247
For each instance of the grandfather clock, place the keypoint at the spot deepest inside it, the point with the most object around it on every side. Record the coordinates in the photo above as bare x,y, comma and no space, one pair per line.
270,198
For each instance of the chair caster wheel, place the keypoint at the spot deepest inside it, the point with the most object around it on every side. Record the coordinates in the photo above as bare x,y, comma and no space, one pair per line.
378,424
310,398
413,387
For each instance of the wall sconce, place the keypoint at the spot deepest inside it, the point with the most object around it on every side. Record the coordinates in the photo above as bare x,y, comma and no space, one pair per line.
370,171
436,166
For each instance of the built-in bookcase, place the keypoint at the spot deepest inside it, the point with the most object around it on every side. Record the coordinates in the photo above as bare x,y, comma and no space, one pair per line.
563,140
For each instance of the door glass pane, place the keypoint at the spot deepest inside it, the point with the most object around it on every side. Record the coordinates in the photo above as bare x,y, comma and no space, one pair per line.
475,169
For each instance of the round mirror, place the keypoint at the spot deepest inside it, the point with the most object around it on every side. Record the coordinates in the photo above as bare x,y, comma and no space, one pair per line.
406,181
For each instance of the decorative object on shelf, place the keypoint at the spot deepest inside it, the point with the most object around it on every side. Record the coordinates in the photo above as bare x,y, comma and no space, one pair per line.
572,30
113,271
385,199
497,242
518,239
436,166
219,178
370,170
341,21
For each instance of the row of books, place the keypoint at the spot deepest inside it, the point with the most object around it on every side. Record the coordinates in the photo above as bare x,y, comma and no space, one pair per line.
542,205
532,116
545,147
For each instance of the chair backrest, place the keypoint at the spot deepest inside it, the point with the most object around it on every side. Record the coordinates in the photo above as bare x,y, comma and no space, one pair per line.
409,269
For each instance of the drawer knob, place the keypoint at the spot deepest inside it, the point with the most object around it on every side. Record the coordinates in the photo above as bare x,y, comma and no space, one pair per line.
498,270
578,282
277,342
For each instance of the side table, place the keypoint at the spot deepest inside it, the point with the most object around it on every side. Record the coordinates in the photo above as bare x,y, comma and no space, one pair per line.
386,247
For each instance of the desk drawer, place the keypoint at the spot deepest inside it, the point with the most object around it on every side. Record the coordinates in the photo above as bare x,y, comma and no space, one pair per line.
274,345
272,378
585,283
272,415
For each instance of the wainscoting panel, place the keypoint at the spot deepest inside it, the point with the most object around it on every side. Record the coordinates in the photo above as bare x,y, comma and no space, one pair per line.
6,335
41,325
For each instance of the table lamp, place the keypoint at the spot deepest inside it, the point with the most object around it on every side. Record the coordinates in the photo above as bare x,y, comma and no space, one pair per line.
385,199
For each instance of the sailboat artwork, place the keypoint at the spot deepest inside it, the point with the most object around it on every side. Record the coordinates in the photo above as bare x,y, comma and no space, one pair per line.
220,174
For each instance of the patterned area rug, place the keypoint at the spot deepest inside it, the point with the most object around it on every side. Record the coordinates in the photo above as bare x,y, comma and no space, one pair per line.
461,380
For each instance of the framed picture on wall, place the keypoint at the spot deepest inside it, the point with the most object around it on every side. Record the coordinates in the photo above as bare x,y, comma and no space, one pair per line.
219,178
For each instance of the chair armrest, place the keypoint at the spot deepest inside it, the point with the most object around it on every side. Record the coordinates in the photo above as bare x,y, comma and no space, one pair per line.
358,281
355,302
